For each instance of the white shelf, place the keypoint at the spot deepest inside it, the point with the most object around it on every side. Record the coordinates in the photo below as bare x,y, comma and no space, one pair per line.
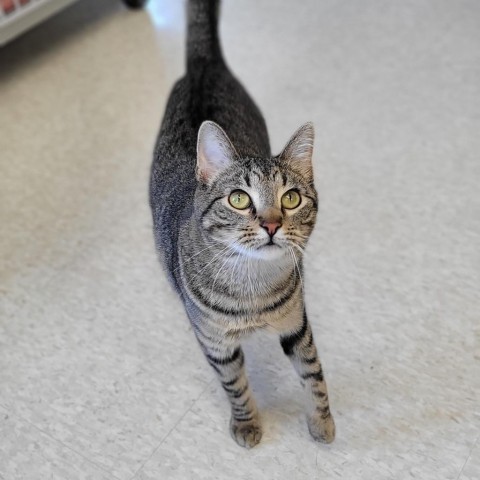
27,16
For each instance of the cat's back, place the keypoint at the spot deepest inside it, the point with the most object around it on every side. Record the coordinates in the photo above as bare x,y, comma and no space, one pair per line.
208,91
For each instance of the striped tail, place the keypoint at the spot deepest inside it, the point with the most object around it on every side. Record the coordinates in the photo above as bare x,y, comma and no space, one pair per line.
203,44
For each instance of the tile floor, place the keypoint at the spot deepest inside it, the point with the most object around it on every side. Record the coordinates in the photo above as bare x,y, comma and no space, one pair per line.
100,375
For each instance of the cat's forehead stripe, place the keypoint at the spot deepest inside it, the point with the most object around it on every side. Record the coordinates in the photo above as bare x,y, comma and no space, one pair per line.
257,174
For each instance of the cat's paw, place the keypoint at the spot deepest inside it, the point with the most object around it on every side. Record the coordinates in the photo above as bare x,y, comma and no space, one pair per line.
320,428
246,434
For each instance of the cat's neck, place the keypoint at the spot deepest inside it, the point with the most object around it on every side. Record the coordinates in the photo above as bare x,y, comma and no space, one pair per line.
217,266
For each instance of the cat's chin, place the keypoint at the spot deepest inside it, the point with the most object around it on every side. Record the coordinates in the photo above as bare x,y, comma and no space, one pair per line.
265,252
270,252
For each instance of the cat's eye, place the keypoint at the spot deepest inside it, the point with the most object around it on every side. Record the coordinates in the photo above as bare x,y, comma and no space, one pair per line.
291,199
239,200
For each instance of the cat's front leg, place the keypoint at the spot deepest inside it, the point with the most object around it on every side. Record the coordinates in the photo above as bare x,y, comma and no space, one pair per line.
298,345
228,362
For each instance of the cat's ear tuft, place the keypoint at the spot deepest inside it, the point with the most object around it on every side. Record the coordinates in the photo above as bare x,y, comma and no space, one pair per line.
299,150
215,152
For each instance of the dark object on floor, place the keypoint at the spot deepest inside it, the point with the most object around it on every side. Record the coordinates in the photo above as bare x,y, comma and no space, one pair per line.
135,3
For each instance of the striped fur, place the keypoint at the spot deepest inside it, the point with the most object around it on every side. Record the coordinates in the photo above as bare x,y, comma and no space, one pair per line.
233,273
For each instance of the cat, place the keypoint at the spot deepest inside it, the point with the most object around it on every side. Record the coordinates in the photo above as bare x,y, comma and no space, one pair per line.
231,222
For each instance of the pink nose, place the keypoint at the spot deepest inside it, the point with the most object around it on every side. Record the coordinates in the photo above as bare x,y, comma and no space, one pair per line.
271,227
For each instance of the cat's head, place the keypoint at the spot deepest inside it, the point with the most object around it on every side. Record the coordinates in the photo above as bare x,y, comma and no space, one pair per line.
262,207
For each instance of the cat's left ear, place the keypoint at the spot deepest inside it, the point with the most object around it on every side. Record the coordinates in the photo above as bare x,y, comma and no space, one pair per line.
299,150
215,152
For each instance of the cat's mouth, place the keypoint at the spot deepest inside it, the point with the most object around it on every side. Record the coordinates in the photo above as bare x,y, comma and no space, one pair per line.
270,245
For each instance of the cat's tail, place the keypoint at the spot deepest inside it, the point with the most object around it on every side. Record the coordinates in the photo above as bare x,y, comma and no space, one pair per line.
203,44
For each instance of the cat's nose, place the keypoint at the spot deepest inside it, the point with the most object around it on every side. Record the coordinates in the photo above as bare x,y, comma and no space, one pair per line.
271,226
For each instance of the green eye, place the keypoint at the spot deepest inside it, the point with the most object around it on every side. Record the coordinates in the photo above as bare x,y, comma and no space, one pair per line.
239,200
291,199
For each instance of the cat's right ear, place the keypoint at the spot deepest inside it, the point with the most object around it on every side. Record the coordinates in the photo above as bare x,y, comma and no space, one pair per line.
215,152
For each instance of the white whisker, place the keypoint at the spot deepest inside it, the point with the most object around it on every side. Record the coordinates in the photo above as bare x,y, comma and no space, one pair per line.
221,267
297,266
193,256
234,267
221,252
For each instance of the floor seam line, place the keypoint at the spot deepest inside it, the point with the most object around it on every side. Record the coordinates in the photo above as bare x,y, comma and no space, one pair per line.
469,456
62,443
172,429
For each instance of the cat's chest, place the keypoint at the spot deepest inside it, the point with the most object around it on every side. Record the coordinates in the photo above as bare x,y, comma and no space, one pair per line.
277,320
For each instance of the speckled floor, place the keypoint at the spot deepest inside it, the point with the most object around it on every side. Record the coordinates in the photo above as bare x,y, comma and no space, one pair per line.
100,375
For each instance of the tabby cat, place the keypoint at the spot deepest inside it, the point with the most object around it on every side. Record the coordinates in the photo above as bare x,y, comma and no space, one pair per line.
231,223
